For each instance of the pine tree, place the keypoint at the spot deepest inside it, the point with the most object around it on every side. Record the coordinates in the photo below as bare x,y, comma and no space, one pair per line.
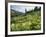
25,11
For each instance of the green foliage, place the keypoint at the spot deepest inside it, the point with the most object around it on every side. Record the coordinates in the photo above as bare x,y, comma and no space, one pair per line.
37,9
32,21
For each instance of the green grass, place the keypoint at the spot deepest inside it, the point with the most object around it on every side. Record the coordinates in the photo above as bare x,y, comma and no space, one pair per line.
31,21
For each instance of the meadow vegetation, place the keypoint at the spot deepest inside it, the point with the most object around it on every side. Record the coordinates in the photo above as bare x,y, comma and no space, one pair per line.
31,20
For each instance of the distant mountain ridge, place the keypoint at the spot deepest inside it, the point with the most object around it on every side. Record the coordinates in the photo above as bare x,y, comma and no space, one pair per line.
14,13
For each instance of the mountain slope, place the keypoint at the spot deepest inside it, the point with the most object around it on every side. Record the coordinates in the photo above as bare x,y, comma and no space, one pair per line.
16,13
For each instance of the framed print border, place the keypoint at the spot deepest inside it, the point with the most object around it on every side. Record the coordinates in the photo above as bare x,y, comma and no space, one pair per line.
6,18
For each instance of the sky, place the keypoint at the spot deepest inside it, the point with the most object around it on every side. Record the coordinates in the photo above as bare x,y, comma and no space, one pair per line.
21,8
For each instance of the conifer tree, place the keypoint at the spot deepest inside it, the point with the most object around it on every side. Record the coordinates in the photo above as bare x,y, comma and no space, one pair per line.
25,11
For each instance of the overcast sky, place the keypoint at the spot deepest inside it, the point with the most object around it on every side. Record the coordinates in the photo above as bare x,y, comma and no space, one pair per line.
21,8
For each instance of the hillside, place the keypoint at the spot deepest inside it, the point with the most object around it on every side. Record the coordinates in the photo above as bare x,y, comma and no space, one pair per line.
30,21
16,13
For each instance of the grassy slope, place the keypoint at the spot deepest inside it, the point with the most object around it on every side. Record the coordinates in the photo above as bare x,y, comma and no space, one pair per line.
29,22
